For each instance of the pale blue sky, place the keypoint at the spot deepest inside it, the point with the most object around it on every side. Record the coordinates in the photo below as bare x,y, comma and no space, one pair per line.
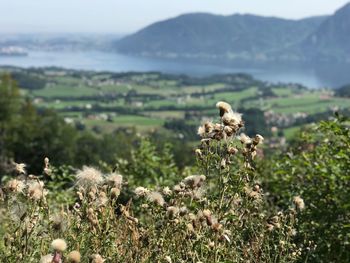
125,16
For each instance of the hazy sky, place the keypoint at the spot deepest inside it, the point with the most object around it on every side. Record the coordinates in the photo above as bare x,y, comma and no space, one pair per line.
124,16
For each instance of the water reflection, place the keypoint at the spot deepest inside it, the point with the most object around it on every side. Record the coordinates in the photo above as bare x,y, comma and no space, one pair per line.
313,76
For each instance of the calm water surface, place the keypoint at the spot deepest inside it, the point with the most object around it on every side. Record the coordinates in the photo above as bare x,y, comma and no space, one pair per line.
103,61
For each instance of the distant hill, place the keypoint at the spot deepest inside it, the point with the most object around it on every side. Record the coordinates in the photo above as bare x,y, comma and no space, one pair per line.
206,35
331,41
243,37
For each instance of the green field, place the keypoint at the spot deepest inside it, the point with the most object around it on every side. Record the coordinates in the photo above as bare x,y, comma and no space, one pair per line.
105,101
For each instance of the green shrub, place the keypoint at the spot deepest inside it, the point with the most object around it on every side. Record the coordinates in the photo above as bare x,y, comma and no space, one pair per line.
318,169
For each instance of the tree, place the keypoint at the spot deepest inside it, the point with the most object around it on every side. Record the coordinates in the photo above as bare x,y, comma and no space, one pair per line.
9,109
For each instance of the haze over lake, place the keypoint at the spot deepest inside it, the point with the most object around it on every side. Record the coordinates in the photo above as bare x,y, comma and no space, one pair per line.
322,76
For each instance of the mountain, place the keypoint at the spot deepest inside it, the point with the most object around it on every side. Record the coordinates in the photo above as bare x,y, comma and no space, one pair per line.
244,38
331,41
214,36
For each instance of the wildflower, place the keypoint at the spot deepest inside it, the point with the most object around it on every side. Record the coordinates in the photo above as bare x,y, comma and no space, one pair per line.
74,256
224,107
194,181
47,170
232,119
15,185
178,188
36,190
206,213
245,139
258,139
96,258
167,191
59,245
198,152
229,131
217,227
58,222
46,259
20,168
46,161
115,180
172,211
141,191
299,203
270,227
232,150
206,129
115,192
102,199
88,177
189,227
156,197
208,126
183,210
201,131
192,216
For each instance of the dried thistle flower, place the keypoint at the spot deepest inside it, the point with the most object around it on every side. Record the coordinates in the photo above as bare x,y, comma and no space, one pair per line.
20,168
74,256
96,258
198,152
58,222
47,170
46,259
141,191
88,177
167,191
201,131
245,139
172,211
189,227
232,150
194,181
156,197
15,185
224,107
258,139
232,119
168,259
36,190
115,192
59,245
115,180
299,203
183,210
102,199
206,213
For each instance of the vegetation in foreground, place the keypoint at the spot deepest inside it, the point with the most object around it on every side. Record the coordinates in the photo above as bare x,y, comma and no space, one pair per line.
162,209
216,212
220,214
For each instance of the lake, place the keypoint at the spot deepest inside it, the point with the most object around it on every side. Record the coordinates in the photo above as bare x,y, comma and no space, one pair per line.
322,76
